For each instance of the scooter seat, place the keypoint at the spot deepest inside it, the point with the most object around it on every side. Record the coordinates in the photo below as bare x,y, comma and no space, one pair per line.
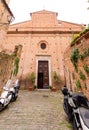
84,112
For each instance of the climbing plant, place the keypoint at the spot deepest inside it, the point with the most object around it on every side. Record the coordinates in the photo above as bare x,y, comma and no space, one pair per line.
86,52
74,57
81,56
16,66
86,68
81,75
78,84
75,37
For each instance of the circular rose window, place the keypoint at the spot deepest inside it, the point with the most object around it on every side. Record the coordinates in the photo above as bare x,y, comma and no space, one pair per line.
43,45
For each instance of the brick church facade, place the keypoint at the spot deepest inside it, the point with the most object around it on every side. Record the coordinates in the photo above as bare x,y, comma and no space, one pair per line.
44,40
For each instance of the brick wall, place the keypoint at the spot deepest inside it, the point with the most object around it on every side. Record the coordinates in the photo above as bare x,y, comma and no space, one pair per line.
42,28
71,75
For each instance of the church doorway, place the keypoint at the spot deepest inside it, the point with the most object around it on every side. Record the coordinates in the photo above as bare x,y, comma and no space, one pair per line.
43,75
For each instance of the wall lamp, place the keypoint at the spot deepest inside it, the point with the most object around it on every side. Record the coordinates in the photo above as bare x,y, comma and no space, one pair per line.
9,19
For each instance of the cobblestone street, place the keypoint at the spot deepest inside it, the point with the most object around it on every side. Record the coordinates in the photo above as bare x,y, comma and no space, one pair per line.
36,110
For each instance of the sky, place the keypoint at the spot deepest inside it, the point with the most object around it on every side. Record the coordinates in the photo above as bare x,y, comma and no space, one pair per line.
74,11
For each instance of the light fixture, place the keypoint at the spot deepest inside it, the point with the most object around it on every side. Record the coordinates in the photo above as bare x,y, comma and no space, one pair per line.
9,19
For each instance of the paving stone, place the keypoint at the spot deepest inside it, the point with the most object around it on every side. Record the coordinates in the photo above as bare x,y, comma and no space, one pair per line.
35,110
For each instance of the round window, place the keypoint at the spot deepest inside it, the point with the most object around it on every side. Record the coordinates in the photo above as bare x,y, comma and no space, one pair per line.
43,45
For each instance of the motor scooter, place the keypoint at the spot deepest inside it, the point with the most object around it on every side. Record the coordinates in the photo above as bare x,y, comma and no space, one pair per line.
76,106
13,88
5,99
9,93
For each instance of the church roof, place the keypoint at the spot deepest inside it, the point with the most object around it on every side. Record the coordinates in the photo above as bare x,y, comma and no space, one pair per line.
46,21
43,11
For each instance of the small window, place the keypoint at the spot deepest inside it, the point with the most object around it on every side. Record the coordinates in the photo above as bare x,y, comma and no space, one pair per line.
43,45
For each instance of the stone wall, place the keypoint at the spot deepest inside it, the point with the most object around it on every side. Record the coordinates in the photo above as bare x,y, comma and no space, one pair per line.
76,64
9,65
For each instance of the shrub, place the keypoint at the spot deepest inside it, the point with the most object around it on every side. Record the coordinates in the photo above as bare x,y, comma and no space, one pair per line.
31,77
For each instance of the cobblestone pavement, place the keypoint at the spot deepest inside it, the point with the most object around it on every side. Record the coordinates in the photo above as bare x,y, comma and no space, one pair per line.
36,110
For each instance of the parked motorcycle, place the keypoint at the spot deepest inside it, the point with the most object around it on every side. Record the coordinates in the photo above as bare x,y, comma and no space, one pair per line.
9,94
5,99
76,106
14,90
17,84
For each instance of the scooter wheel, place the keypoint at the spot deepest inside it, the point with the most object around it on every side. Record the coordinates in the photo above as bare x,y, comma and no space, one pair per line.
75,126
14,97
79,128
1,106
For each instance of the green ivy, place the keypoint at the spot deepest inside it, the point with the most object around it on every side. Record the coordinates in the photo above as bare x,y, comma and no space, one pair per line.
86,52
81,56
84,30
78,84
75,37
86,68
74,57
82,76
16,64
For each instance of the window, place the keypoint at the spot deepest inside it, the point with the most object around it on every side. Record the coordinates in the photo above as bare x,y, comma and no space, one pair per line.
43,45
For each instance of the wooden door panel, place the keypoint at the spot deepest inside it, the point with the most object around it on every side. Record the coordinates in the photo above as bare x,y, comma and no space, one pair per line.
43,67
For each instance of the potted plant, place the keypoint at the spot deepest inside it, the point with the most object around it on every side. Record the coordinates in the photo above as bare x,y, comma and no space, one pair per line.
53,89
35,86
56,81
31,77
50,87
